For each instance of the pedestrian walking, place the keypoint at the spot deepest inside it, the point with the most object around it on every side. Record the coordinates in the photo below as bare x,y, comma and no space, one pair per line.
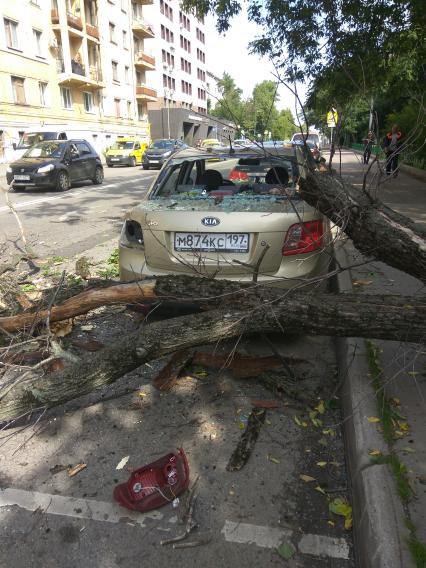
368,146
392,148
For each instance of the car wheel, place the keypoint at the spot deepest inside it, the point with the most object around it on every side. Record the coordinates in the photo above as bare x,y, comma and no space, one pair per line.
145,166
99,176
132,162
110,165
62,181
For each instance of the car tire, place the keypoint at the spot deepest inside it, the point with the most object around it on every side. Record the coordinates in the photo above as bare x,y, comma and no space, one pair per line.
132,162
110,165
99,176
145,166
62,181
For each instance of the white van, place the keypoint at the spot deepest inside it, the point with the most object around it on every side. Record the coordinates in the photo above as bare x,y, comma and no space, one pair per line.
312,137
31,137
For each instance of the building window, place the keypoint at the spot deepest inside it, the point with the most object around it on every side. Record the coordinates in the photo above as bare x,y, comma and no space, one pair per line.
125,42
88,101
114,65
129,109
167,34
18,90
66,98
126,75
42,88
37,41
11,30
184,21
200,36
112,33
117,108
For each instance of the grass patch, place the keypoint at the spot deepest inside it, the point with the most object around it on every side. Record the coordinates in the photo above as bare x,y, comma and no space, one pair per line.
112,269
385,408
418,551
28,287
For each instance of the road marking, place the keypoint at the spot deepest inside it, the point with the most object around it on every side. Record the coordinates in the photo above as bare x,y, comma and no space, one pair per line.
320,545
268,537
24,204
78,508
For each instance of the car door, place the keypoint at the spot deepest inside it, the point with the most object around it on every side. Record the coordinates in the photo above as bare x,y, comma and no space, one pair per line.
87,162
72,161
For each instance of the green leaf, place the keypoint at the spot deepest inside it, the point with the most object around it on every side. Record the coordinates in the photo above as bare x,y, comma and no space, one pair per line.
286,550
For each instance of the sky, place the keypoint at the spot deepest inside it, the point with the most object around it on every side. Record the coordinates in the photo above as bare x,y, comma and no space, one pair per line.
230,53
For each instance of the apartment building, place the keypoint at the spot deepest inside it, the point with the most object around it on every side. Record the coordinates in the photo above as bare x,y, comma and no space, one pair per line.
180,77
80,64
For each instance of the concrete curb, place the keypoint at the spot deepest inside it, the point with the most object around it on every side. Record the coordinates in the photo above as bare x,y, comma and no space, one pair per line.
380,534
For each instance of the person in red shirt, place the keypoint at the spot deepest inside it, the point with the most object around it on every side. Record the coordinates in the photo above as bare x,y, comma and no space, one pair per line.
392,148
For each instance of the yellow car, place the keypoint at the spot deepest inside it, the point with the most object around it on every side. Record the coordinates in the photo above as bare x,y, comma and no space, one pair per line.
126,151
238,216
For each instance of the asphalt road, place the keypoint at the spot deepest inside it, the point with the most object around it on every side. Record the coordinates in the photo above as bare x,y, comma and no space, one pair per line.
72,222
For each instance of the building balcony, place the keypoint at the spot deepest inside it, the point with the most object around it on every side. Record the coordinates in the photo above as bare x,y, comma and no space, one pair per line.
74,23
144,93
144,2
143,29
144,61
92,30
90,79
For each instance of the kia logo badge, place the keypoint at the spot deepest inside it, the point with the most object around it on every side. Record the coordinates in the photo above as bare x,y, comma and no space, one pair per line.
210,221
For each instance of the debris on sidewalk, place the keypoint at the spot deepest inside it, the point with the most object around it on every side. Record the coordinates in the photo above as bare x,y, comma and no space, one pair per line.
270,404
168,376
155,484
241,367
76,469
186,513
122,462
248,440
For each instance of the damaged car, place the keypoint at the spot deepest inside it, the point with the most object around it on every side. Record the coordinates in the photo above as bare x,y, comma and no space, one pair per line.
236,216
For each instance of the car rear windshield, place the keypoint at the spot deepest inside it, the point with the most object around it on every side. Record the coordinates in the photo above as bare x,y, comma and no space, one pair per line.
122,146
227,177
162,144
45,150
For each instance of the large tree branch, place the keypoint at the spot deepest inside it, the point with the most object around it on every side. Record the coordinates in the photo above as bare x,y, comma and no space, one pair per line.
258,310
375,229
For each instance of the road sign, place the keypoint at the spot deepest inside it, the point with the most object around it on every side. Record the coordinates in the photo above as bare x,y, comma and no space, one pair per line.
332,118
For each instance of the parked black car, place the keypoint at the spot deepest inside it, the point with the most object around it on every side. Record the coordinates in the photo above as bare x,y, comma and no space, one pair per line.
159,151
57,164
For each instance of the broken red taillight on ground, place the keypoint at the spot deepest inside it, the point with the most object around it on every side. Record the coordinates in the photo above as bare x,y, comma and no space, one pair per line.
302,238
155,484
238,176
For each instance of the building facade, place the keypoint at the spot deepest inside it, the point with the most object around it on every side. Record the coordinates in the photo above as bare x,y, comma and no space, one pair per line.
80,65
180,77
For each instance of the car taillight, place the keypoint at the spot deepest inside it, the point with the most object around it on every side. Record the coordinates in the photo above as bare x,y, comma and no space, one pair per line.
237,175
303,237
134,231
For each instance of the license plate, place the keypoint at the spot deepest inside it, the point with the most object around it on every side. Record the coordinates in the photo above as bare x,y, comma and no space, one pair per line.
154,161
115,159
212,242
22,178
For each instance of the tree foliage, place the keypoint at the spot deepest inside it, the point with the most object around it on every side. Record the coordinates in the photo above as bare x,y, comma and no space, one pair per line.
256,116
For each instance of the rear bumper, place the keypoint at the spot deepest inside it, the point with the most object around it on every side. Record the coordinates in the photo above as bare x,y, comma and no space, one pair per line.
305,273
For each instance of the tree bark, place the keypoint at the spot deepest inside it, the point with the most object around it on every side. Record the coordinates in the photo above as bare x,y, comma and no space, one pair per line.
245,310
376,230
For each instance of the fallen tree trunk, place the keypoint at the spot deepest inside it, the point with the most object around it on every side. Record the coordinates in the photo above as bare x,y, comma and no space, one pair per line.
258,310
375,229
81,304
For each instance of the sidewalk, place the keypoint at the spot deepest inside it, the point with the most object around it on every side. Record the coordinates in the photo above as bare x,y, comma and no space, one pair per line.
387,459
